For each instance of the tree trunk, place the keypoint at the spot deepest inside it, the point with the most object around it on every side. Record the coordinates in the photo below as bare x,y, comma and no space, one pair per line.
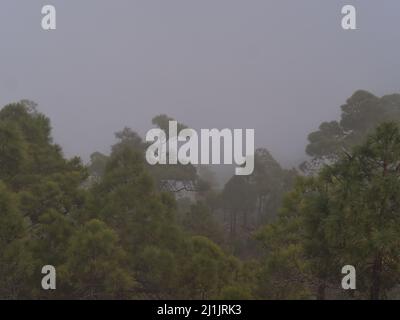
375,293
321,291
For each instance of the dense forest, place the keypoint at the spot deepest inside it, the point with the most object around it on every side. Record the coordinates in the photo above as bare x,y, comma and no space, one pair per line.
118,228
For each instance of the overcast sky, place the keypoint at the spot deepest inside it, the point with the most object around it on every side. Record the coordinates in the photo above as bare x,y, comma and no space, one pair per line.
278,66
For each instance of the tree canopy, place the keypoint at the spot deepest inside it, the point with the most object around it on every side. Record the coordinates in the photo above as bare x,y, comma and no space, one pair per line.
114,231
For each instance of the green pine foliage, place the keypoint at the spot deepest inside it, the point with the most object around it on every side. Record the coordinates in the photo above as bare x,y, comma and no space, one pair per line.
113,232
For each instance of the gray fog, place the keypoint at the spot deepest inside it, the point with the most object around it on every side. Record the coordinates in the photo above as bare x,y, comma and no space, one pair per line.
277,66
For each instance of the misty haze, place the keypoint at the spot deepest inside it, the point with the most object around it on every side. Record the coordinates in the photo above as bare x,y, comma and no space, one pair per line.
77,194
